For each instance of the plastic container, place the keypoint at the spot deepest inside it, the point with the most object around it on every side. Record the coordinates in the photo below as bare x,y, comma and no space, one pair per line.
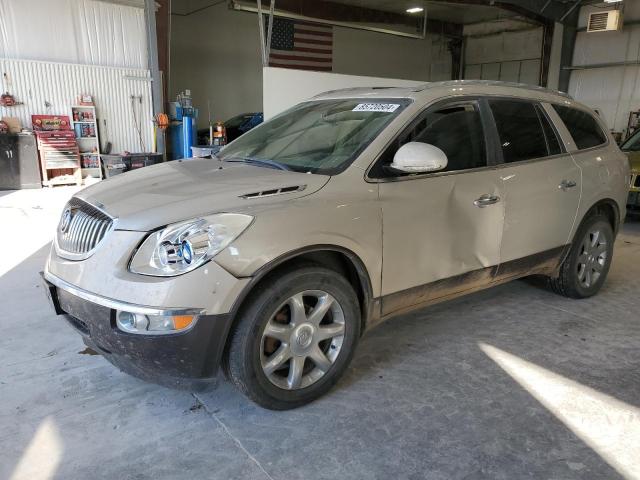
113,165
202,151
116,164
134,161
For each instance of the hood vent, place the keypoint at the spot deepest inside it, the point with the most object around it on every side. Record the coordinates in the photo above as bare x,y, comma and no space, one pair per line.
274,191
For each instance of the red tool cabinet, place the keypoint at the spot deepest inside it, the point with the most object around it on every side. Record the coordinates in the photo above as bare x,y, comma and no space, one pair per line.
58,149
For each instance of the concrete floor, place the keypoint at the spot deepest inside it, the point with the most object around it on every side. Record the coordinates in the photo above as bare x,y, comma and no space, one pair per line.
510,383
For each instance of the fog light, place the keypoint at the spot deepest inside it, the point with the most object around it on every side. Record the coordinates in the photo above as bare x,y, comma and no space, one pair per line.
152,324
126,321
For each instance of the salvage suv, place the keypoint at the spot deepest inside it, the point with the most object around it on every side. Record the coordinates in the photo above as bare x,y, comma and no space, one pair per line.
273,258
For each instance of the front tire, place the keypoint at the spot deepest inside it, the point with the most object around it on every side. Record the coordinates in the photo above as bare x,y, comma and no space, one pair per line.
294,338
585,269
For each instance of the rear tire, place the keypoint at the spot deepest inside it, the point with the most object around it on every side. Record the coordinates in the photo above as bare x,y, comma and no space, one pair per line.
585,269
294,338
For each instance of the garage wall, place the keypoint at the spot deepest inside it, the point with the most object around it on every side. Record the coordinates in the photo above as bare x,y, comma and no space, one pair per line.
361,52
613,90
86,32
510,56
216,54
51,51
51,88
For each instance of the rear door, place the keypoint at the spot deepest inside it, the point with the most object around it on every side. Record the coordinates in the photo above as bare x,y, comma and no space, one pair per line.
541,183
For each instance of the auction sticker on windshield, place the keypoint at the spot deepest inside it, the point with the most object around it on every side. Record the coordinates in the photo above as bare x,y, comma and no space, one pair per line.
376,107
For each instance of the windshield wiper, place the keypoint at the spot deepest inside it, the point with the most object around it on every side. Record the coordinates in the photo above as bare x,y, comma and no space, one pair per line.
259,161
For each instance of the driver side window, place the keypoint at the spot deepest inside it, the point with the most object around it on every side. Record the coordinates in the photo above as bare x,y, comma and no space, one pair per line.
456,129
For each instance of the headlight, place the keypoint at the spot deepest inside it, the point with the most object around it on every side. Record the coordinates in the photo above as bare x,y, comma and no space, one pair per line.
185,246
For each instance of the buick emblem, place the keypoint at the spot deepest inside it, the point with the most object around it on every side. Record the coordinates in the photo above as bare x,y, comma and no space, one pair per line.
305,336
65,221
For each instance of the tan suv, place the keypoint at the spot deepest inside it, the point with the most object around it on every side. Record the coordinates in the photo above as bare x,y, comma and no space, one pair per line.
273,258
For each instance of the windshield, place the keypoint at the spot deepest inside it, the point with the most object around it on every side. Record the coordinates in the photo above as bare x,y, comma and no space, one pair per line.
632,144
322,137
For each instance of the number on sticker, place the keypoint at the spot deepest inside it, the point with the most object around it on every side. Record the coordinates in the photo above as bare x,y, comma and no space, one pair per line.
376,107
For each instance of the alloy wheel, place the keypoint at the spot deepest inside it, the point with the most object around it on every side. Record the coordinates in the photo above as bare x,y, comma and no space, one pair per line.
302,340
592,258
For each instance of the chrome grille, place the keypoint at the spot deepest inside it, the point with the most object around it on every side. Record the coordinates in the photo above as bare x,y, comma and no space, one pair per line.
81,229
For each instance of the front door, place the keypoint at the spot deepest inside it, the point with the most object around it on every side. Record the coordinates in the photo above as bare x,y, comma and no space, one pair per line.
441,231
542,186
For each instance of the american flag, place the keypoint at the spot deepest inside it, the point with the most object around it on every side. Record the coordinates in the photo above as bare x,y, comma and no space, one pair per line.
301,45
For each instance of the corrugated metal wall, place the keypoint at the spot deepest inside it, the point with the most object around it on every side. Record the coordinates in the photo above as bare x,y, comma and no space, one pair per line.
613,90
85,32
52,88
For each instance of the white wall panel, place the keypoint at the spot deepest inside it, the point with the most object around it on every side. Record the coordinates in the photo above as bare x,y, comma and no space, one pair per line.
360,52
39,84
613,91
510,72
75,31
530,72
504,47
285,87
509,56
607,47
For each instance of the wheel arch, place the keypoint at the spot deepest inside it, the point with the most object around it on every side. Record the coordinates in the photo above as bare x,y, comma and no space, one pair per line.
336,258
607,207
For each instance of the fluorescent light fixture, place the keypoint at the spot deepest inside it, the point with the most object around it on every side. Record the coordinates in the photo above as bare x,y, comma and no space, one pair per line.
612,1
415,10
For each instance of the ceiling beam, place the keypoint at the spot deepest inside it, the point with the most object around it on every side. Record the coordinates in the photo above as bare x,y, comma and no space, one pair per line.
333,11
542,11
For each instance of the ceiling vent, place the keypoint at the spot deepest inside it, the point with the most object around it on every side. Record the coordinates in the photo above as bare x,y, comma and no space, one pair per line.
608,21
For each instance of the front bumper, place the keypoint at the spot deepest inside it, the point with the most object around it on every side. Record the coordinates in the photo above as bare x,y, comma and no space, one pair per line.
188,359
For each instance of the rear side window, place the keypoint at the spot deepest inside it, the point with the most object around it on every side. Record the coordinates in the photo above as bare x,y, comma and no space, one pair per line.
521,134
582,126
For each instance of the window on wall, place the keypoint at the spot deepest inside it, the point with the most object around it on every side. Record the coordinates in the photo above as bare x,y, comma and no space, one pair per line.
582,126
521,133
456,129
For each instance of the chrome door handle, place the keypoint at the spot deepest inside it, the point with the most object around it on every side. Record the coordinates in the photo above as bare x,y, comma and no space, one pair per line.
566,184
486,200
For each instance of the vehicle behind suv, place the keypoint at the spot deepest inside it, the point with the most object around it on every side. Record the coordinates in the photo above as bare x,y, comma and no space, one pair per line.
348,209
631,147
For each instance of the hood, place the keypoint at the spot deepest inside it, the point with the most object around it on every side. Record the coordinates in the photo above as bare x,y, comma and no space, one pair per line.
634,161
170,192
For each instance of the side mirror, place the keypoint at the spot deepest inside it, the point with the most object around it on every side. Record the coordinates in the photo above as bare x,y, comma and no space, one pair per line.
418,157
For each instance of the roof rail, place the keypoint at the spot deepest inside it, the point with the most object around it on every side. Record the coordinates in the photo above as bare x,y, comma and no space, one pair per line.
496,83
348,89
